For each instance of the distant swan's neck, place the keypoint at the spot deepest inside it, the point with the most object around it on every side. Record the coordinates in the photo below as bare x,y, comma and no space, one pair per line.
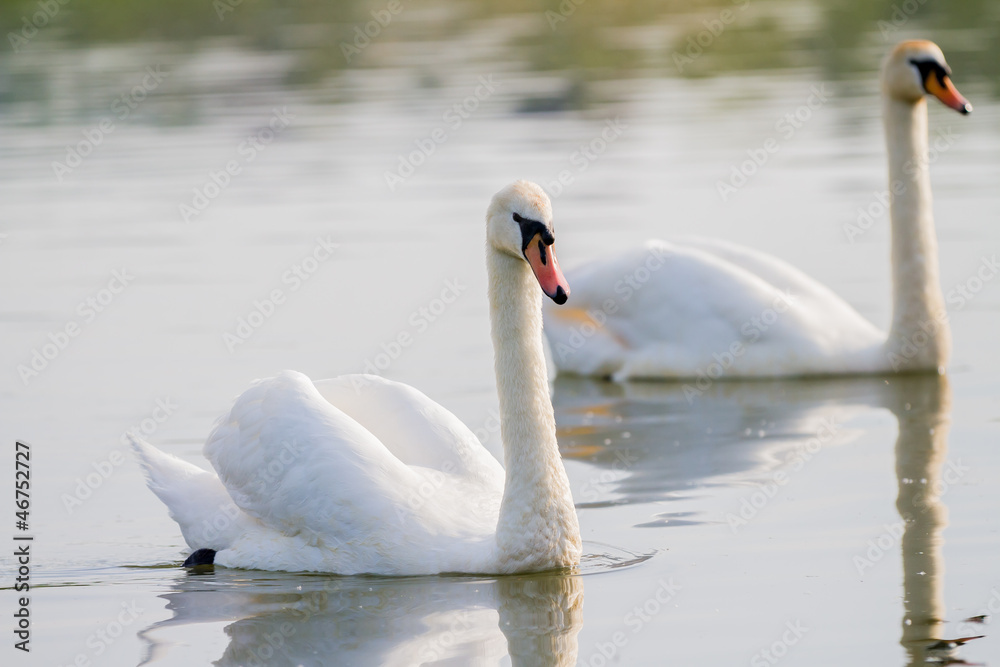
919,338
538,525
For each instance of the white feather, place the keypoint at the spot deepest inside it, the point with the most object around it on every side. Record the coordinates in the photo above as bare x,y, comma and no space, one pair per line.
700,308
360,474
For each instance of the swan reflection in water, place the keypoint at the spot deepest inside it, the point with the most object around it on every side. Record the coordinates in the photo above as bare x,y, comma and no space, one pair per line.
924,474
278,619
666,441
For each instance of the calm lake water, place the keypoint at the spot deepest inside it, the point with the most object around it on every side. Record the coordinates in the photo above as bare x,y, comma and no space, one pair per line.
177,251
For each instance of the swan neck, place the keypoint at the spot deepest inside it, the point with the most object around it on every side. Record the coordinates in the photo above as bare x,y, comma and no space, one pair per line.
538,525
919,338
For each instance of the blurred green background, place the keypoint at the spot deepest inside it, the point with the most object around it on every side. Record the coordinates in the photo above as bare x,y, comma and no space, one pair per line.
599,40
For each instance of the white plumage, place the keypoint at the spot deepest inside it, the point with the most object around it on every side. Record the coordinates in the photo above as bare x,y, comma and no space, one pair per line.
709,309
706,308
331,476
360,474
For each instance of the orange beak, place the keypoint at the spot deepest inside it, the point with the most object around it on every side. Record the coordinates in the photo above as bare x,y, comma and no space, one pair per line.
542,259
943,89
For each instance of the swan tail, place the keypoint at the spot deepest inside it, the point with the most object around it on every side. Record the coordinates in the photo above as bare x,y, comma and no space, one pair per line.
196,499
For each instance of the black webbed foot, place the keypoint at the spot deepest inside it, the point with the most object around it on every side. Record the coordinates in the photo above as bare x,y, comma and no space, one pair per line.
200,557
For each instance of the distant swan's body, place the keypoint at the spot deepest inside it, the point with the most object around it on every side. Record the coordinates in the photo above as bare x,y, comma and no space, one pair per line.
359,474
699,308
707,309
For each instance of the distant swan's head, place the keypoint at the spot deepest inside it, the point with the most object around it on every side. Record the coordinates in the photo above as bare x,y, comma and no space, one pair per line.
519,223
916,68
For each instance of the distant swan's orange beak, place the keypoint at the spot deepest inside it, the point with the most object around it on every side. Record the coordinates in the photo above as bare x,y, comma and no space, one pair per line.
542,259
943,89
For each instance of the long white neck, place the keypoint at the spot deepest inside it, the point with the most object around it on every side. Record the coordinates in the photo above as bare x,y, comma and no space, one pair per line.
919,338
538,527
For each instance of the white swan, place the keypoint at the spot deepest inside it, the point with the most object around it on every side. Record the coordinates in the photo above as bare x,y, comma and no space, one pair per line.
706,308
359,474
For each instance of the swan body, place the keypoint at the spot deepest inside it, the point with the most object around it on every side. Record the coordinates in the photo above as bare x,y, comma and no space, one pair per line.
701,308
404,471
707,308
359,474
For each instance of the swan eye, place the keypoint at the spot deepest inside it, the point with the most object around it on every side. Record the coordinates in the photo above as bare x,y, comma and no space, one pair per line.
532,228
521,220
928,68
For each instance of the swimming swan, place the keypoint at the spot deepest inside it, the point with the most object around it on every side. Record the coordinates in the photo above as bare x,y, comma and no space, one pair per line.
360,474
704,307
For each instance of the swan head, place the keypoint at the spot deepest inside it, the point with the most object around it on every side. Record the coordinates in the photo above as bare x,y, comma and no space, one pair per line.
916,68
519,224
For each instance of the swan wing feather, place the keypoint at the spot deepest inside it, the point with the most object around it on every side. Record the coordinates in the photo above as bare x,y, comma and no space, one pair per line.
298,464
783,275
417,430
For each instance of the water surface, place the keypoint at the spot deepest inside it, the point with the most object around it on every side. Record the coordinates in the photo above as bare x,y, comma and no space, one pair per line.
830,522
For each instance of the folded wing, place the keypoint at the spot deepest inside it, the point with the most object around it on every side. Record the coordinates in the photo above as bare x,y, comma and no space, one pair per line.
291,459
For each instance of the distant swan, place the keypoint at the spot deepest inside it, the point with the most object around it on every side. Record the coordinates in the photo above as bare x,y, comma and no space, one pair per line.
700,307
359,474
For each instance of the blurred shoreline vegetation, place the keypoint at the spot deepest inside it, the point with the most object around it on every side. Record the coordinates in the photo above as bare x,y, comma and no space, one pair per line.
592,40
